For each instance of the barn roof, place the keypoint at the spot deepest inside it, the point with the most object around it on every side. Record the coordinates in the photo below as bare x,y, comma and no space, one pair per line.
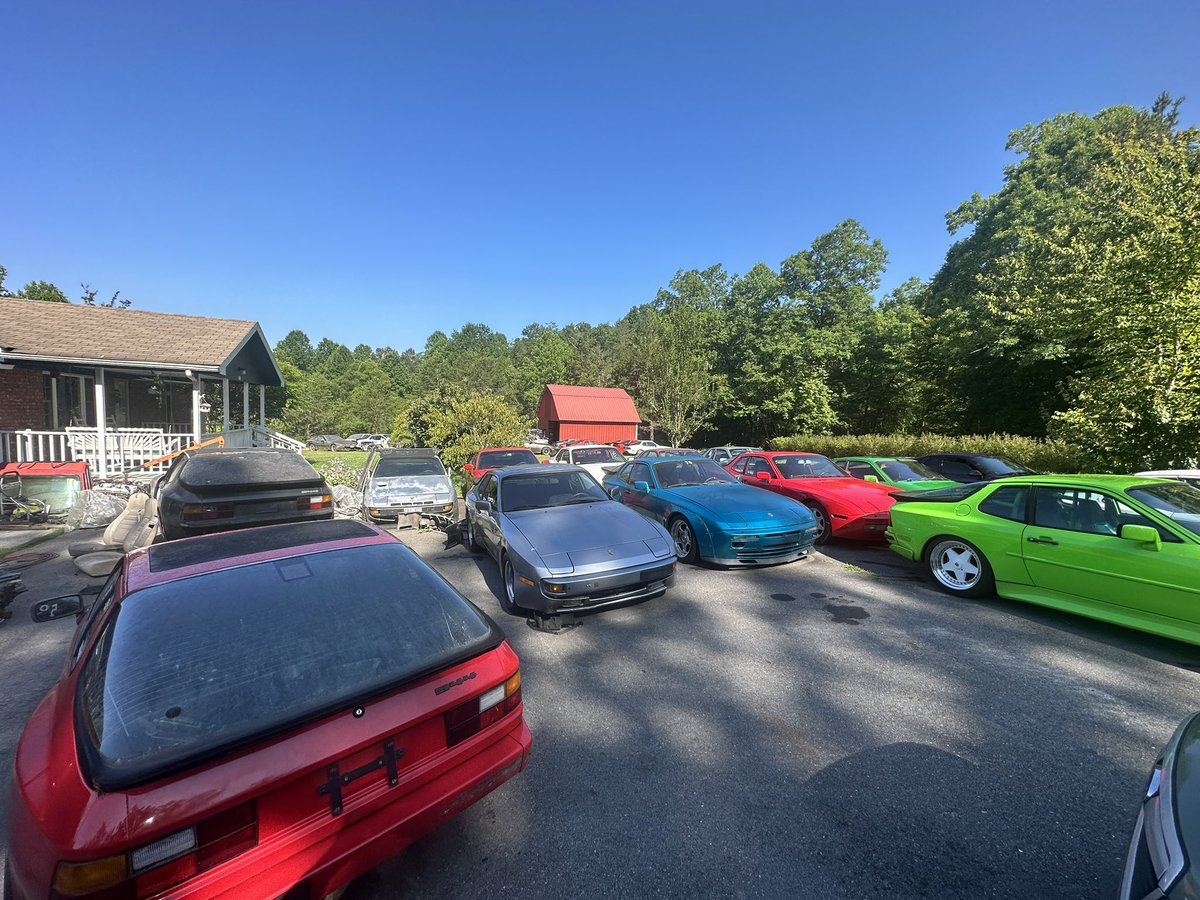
572,403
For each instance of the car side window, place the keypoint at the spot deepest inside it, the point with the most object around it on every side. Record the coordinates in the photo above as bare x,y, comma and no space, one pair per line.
859,469
740,466
1073,509
95,614
641,472
757,464
1006,503
489,490
623,472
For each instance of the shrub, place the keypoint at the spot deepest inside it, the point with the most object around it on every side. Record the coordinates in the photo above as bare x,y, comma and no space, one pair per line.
1040,455
338,471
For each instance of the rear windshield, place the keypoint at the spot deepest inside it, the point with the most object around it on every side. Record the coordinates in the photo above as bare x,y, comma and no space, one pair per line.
219,659
908,470
503,459
589,455
210,469
394,466
955,494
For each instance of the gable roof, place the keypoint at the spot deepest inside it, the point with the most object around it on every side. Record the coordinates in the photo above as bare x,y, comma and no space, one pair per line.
572,403
40,331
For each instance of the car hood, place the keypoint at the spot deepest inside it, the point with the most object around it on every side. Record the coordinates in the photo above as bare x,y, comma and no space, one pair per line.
738,504
587,536
408,485
866,496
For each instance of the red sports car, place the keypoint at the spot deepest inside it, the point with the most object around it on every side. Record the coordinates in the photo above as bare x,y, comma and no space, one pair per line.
259,713
844,507
498,458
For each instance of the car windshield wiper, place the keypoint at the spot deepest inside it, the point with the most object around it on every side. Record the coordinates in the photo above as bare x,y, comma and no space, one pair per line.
579,500
513,509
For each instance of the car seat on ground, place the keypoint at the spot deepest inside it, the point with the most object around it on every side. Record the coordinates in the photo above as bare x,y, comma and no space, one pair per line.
102,562
113,537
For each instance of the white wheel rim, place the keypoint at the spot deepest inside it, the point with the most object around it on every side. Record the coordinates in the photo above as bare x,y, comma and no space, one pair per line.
681,534
955,565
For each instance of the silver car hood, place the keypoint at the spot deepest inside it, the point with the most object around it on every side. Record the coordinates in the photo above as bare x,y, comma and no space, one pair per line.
588,537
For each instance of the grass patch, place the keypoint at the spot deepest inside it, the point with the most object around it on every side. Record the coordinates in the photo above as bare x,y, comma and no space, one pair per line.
353,458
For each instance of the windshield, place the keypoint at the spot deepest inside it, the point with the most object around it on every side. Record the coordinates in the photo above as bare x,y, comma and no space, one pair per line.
999,465
150,699
562,488
589,455
402,466
503,459
1179,502
805,466
908,470
673,473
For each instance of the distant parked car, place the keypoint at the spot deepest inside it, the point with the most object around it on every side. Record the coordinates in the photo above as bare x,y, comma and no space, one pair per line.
1187,476
1166,836
633,448
498,458
968,467
661,452
562,544
225,488
269,713
712,517
399,482
331,442
723,456
844,507
374,442
901,472
1118,548
597,459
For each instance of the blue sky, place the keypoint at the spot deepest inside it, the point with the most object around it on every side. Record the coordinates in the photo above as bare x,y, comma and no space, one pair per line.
372,172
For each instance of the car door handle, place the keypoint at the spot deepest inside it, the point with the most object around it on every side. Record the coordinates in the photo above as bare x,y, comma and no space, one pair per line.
1042,540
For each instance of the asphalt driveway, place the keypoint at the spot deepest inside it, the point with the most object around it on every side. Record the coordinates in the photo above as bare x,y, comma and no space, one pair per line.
829,728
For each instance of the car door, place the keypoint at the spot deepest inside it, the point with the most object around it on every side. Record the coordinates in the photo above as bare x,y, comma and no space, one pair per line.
487,521
859,469
755,465
633,498
1072,548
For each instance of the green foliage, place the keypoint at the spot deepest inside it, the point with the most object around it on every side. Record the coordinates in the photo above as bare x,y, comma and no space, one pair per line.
342,470
1040,455
462,426
43,290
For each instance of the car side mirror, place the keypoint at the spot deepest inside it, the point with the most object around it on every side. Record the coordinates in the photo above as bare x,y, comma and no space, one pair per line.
642,487
1142,534
483,506
874,478
763,476
57,608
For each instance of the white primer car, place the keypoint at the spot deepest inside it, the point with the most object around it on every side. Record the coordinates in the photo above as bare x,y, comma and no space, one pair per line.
597,459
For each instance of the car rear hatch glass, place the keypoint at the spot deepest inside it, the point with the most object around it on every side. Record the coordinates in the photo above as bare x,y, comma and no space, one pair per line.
191,667
956,494
249,470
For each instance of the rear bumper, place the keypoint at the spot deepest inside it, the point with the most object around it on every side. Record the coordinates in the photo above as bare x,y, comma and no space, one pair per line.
321,857
178,529
899,544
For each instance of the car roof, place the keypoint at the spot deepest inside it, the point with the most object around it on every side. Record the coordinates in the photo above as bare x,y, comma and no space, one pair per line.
1112,482
531,469
183,558
408,452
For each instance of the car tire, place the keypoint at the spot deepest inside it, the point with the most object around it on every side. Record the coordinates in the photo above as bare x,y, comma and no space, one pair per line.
508,592
683,538
958,567
824,526
471,539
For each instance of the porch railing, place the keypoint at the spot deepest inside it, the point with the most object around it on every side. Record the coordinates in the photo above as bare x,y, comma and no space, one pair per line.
124,448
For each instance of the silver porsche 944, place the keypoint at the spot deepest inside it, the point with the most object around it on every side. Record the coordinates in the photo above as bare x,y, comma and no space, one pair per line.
562,544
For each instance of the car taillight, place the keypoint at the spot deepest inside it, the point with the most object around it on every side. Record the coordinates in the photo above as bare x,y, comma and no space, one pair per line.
154,867
317,501
202,511
479,712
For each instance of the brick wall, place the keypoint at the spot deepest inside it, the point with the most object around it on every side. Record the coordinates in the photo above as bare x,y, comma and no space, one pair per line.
22,399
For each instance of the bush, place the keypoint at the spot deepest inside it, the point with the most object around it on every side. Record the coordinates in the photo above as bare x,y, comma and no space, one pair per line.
1040,455
338,471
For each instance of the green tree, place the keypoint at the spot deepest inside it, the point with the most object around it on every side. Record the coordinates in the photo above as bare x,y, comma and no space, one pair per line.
465,424
43,290
297,347
541,356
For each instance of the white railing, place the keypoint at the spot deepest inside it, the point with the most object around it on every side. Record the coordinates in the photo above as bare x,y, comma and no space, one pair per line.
258,436
124,448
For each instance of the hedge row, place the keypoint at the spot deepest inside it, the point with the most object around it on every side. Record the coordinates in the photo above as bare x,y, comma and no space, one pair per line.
1040,455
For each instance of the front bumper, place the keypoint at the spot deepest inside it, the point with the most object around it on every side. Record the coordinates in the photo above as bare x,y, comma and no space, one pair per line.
870,527
430,508
760,548
581,592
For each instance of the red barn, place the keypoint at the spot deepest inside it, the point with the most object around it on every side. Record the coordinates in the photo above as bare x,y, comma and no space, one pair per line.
591,413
